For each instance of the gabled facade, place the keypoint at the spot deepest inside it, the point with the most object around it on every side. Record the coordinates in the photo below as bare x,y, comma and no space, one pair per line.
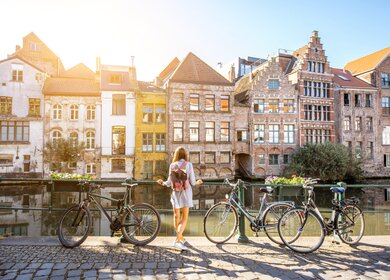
118,85
73,111
150,137
201,117
21,117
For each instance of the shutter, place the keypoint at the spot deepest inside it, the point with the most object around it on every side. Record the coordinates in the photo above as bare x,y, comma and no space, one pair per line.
386,198
384,160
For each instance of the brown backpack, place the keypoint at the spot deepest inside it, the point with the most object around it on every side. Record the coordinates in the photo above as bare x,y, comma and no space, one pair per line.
179,177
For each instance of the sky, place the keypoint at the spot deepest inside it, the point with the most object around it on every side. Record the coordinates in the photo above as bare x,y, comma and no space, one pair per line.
155,32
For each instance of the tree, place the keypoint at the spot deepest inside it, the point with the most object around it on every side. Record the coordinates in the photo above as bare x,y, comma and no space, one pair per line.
329,162
63,152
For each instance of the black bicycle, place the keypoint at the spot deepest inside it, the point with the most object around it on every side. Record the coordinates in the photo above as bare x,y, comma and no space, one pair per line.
303,229
140,223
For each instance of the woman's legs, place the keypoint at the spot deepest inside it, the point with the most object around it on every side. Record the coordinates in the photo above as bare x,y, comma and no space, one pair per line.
183,222
176,218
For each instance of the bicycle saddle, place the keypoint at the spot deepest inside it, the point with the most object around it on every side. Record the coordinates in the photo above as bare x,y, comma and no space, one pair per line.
266,190
337,189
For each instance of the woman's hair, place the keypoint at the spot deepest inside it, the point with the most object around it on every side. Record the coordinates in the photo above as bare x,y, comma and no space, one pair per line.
179,154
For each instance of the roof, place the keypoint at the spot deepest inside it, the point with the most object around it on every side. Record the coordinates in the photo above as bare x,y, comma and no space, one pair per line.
22,59
71,86
169,69
127,76
193,70
149,87
346,80
368,62
79,71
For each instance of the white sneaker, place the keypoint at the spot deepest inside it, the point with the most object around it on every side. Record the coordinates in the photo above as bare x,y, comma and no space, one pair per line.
180,246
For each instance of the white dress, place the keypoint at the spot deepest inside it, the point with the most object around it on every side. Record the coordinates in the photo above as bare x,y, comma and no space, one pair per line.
180,199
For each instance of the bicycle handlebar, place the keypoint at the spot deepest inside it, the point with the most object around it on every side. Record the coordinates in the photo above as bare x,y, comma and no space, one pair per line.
235,185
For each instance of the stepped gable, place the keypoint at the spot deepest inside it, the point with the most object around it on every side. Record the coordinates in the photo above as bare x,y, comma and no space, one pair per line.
345,79
368,62
194,70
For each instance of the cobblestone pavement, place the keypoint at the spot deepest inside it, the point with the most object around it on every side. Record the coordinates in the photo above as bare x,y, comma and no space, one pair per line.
103,258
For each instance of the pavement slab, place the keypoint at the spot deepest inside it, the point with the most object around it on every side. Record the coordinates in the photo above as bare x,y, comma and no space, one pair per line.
106,258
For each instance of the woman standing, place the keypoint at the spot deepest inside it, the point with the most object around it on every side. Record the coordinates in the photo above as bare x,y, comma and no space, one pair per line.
181,200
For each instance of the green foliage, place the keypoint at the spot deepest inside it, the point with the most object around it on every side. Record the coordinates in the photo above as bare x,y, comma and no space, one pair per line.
294,180
69,176
329,162
63,152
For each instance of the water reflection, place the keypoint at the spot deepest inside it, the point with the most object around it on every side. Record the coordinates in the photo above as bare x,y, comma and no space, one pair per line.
22,206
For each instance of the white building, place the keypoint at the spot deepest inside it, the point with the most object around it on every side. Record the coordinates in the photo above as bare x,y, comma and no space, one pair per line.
21,122
118,85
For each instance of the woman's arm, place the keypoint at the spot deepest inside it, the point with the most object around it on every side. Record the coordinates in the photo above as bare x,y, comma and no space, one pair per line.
191,174
168,182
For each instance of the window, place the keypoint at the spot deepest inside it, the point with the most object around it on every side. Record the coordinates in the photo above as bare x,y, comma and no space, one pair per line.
34,47
261,158
34,107
210,131
273,159
119,104
347,123
273,106
148,169
368,100
225,157
210,103
147,114
347,99
288,133
370,150
57,112
55,137
259,133
387,198
6,159
91,168
369,124
316,89
317,67
274,133
147,142
90,144
273,84
358,101
358,124
386,105
115,79
118,140
17,72
225,103
91,112
386,160
386,135
326,113
242,135
74,112
258,106
160,142
209,157
194,131
225,131
195,157
118,165
14,131
194,102
74,139
177,131
286,159
358,149
288,106
385,79
160,114
307,88
309,135
5,105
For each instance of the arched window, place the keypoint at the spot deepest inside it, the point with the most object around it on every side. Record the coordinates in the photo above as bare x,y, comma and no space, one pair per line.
74,138
56,136
74,112
90,140
91,112
57,112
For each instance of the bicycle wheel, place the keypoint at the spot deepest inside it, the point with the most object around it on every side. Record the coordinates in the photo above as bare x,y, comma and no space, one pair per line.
350,224
271,218
300,232
220,222
140,224
74,226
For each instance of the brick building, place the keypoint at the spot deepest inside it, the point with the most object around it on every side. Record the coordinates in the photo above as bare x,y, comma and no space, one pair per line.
201,117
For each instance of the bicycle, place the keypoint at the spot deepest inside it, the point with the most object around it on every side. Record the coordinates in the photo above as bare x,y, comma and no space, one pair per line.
303,229
221,220
139,223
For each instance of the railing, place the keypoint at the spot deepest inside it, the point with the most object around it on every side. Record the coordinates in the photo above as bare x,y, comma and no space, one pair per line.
22,191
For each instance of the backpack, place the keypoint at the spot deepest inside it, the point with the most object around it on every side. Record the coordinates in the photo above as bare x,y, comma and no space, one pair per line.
179,177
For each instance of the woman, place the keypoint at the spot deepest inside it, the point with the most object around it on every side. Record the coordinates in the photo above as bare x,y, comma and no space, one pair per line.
181,199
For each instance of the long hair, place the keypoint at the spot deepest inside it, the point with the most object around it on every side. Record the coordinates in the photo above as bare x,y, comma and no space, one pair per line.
179,154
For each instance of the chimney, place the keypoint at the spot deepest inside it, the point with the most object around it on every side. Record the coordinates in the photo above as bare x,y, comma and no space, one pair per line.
132,61
98,64
17,47
232,73
314,36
